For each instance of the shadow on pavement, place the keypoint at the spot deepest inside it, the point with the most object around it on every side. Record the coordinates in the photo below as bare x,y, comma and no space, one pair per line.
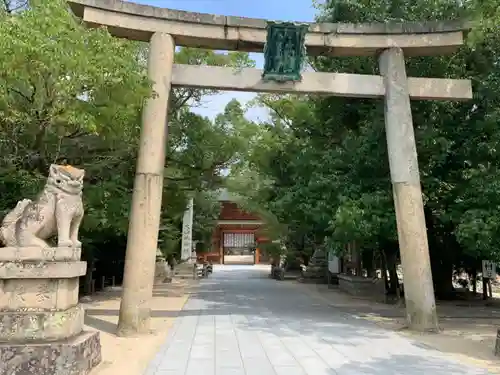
347,345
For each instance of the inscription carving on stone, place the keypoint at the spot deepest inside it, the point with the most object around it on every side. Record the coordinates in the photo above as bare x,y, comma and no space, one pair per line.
28,295
43,292
58,211
48,253
186,236
4,296
187,231
19,295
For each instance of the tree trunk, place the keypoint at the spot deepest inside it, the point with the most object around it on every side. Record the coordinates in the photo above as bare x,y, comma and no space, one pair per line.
87,286
393,278
443,280
368,263
390,251
485,288
393,274
474,281
441,254
356,258
383,269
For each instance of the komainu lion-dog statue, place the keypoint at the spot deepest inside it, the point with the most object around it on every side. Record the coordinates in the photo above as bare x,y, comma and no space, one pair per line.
58,210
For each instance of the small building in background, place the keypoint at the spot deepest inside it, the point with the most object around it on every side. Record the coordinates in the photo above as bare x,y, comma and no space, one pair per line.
236,236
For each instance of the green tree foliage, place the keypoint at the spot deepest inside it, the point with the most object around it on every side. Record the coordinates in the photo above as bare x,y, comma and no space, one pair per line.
325,161
74,95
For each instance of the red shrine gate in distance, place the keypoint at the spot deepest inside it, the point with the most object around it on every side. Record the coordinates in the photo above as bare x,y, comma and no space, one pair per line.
236,237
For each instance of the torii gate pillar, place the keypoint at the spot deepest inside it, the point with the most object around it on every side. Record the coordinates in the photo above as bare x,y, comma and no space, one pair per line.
405,178
144,225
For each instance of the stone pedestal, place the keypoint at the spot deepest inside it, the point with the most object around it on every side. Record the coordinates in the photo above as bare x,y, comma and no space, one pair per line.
362,286
41,322
185,271
163,273
317,269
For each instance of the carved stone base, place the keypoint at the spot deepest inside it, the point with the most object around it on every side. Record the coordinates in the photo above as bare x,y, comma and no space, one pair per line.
185,271
22,326
361,286
48,254
74,356
163,273
41,321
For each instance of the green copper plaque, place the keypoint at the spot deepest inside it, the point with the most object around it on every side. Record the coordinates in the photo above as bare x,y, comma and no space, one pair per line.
284,51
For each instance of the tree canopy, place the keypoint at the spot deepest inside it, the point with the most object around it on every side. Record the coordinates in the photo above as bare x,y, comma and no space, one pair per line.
322,165
69,94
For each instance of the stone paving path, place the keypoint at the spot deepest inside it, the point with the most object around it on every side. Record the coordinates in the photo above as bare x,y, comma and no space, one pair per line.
243,323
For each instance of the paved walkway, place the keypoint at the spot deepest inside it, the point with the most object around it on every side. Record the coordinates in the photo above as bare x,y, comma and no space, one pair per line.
242,323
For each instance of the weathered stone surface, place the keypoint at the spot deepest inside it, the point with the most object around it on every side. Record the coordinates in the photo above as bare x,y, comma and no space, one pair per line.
163,273
427,27
259,23
145,212
185,271
190,29
335,84
38,294
42,270
35,326
76,356
361,286
35,253
57,211
317,269
41,322
410,217
187,231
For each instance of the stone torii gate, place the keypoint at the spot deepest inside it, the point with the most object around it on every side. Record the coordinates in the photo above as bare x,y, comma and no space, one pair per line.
389,43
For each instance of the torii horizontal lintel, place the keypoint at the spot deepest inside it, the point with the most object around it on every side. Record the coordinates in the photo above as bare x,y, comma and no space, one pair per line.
335,84
126,19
